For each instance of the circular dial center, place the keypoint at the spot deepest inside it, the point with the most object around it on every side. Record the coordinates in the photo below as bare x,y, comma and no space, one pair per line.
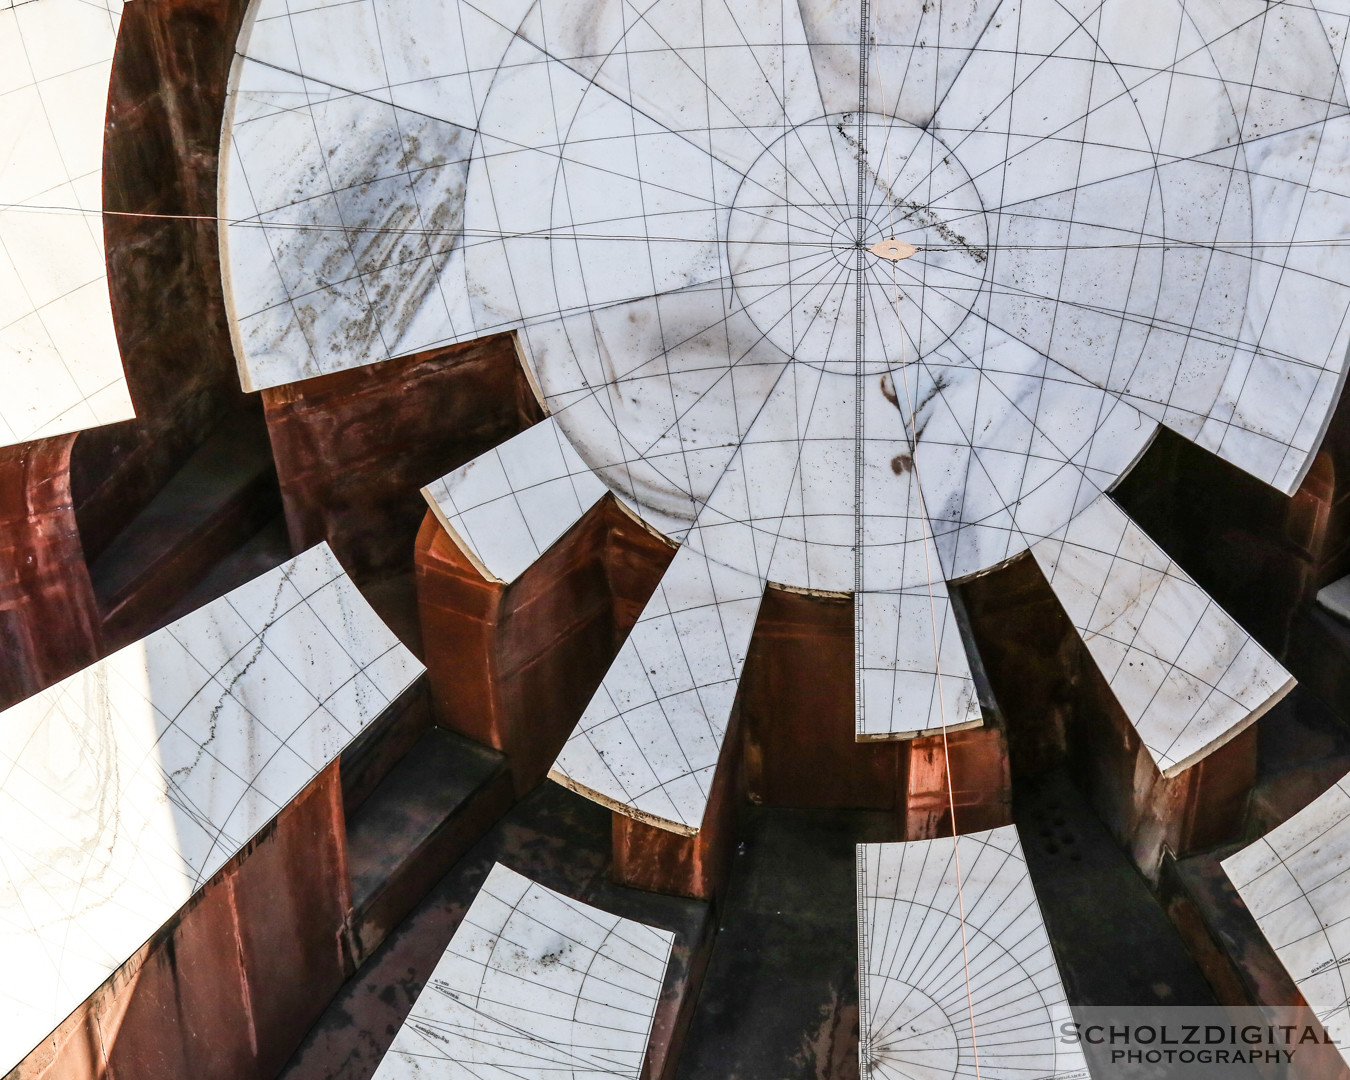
795,234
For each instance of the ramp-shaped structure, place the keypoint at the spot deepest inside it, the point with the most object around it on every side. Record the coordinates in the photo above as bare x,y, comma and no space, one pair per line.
534,985
1186,674
124,788
956,976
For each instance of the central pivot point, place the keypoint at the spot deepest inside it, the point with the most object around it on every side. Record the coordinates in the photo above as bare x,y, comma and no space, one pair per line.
892,249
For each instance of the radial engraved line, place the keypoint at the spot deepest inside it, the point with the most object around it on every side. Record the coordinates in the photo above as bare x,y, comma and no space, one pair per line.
860,331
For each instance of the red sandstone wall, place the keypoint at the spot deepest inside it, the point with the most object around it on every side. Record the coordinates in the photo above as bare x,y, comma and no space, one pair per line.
513,666
160,148
227,989
49,625
1059,709
353,449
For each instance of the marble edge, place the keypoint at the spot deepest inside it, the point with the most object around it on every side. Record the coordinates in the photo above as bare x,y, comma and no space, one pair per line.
645,817
900,736
224,156
466,549
1228,734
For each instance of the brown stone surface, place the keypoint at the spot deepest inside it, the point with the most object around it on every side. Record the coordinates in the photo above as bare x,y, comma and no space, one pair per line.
1031,657
49,625
685,971
980,783
657,860
421,818
1058,707
221,497
797,705
229,986
353,449
1148,813
513,666
165,104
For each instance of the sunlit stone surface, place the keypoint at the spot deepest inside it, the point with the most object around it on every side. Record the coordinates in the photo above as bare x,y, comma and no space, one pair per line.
125,787
60,368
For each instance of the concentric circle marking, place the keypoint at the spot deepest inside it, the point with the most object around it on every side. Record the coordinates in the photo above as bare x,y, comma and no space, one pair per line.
793,242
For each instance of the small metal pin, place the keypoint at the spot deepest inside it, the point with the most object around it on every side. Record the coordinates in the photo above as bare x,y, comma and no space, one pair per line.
892,249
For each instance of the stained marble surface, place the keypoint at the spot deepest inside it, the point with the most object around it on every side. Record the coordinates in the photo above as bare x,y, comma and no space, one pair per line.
647,744
125,787
532,986
1187,675
59,361
1295,881
1122,222
924,988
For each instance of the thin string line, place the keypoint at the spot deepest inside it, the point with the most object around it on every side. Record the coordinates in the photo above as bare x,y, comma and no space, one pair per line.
912,439
573,234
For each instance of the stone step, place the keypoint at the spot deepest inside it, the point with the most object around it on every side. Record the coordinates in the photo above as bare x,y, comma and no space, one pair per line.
415,823
224,494
557,838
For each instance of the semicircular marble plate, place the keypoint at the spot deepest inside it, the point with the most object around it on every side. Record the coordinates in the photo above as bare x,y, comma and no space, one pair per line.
1124,215
956,974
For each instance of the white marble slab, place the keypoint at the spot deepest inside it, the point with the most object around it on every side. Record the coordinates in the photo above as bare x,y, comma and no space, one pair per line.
1295,881
534,985
1118,225
932,1004
506,507
59,361
1187,675
648,743
914,681
125,787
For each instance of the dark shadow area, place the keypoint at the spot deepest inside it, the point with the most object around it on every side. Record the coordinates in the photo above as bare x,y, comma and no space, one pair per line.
780,1001
1112,939
197,537
161,143
553,836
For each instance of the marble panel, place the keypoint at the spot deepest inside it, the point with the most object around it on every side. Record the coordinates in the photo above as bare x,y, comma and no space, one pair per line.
59,358
957,976
1295,881
1187,675
534,985
125,787
505,508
